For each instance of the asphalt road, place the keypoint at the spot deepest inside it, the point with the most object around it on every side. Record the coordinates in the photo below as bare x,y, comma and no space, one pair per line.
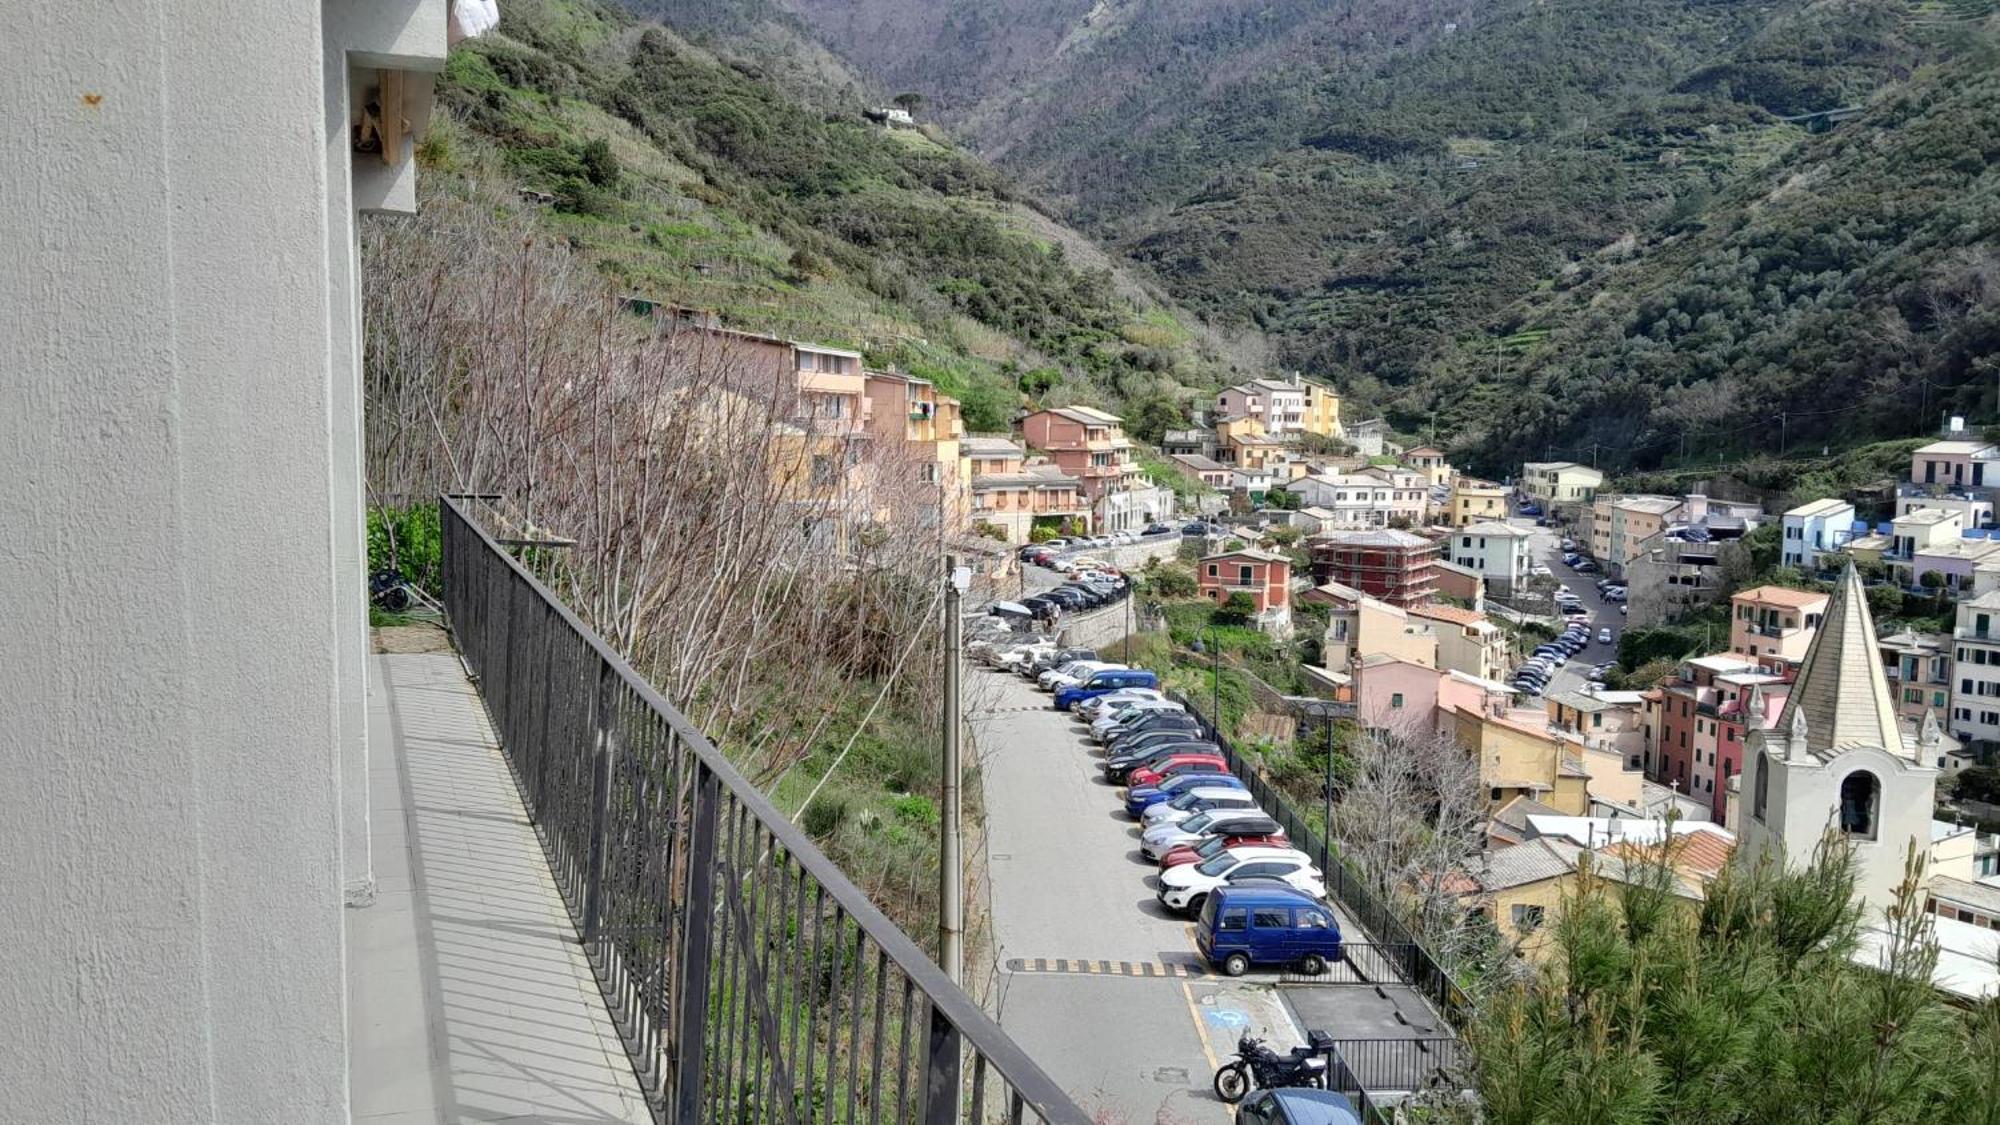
1100,984
1547,546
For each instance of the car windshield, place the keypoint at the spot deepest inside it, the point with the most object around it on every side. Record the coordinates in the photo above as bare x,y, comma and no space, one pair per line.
1197,823
1212,848
1216,865
1186,800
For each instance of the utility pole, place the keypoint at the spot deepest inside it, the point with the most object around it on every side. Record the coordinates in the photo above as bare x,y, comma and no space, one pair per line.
951,894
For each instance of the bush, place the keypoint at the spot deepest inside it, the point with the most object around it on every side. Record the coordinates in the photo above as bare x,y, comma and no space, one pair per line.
1164,581
1041,533
825,815
409,541
1238,609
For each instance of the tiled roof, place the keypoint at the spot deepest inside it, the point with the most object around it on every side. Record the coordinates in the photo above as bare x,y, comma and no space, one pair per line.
988,445
1701,851
1249,553
1782,595
1438,611
1447,564
1515,813
1982,897
1532,862
1197,462
1087,415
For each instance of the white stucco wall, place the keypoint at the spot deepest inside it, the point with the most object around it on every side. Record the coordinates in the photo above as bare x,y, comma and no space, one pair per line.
170,818
1804,799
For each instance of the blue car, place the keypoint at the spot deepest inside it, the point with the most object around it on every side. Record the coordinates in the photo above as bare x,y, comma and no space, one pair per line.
1267,924
1137,801
1104,683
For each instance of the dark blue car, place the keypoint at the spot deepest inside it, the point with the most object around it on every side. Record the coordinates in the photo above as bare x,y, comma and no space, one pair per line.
1137,801
1297,1106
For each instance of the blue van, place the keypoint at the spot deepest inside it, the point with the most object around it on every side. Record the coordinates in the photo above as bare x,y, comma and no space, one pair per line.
1269,924
1104,683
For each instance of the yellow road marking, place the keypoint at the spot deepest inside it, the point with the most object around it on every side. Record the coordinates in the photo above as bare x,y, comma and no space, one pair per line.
1200,1033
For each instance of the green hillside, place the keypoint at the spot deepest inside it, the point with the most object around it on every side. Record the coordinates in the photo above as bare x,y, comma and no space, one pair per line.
1461,212
694,179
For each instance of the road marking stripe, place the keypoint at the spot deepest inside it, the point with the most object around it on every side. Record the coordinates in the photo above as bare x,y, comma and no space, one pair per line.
1200,1034
1084,967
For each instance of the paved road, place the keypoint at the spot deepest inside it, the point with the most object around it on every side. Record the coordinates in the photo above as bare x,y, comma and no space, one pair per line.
1099,984
1547,547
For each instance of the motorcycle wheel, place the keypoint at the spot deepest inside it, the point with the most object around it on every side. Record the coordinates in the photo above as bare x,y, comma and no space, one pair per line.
1232,1082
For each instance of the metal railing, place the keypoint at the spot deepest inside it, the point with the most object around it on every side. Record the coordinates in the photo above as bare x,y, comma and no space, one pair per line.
750,979
1360,963
1396,1066
1344,884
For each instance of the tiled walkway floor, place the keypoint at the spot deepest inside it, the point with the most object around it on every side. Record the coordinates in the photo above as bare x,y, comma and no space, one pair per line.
469,997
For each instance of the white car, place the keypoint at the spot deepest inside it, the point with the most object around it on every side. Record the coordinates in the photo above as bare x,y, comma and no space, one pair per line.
1075,672
1108,718
1190,803
1604,636
1019,657
1062,566
1185,888
1100,706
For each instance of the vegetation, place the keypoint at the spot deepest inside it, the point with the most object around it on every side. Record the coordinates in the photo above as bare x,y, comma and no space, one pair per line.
1746,1007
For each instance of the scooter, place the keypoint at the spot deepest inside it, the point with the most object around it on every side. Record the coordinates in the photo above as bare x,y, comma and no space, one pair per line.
1258,1067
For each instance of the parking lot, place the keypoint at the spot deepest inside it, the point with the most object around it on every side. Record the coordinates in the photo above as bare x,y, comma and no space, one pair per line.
1096,979
1547,547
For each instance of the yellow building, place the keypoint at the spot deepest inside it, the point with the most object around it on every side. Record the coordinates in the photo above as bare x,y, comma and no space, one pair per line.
1560,484
1243,442
1430,461
918,435
1519,756
1524,889
1476,501
1322,412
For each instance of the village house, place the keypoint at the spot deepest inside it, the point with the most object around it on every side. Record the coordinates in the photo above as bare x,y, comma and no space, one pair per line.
1280,405
1396,695
1312,521
1451,580
1196,442
1918,668
1210,472
1009,494
1560,484
1263,575
1358,624
1521,754
1609,720
1975,703
1501,553
1475,501
1957,462
1430,461
1091,445
1620,523
1242,442
1811,530
1682,566
919,444
1685,725
1373,497
1467,640
1768,621
1368,437
1395,566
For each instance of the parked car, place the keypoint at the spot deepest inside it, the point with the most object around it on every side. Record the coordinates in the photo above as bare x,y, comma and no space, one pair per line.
1297,1105
1217,844
1109,715
1158,768
1186,888
1072,672
1585,566
1104,683
1126,734
1160,529
1569,545
1195,801
1118,767
1150,742
1056,658
1241,926
1022,656
1157,839
1141,798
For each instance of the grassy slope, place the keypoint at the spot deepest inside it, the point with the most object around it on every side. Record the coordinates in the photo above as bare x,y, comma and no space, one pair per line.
726,192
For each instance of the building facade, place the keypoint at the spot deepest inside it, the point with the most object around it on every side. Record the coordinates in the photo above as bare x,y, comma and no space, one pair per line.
1392,565
1774,621
1560,484
1501,553
1811,530
1467,640
1975,703
1476,501
1265,576
1091,445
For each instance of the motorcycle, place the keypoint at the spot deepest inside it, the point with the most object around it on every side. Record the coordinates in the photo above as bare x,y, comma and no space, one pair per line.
1258,1067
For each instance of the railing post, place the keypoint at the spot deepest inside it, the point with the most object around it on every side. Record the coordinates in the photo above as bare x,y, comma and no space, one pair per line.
697,936
942,1065
602,708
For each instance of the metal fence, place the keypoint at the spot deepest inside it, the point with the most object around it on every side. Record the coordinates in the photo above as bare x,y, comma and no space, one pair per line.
751,981
1412,962
1360,963
1381,1068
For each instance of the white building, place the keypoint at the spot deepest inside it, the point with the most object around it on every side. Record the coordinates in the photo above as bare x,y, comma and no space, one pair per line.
1500,552
1975,665
1280,405
1373,497
1838,757
1810,529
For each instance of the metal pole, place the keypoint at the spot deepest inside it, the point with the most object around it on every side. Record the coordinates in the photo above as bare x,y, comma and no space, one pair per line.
951,897
1215,679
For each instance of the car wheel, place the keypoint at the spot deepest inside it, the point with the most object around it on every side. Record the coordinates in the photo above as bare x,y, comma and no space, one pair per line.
1312,964
1195,904
1236,964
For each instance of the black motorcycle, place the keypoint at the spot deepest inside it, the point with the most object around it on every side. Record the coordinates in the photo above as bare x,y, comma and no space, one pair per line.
1258,1067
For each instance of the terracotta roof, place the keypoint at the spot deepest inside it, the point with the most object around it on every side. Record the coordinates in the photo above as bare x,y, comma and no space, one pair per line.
1703,852
1438,611
1782,595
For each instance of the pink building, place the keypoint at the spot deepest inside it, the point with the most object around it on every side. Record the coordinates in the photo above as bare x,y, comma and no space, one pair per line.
1087,444
1397,696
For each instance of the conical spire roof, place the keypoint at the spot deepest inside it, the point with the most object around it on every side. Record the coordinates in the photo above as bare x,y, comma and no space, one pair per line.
1841,693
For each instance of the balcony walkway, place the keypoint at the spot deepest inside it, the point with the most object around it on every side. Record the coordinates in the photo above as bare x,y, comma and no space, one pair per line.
469,997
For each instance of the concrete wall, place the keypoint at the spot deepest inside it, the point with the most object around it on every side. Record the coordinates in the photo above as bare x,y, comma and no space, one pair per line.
168,702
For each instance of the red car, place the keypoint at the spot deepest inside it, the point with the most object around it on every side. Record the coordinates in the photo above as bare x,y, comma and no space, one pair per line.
1195,853
1147,776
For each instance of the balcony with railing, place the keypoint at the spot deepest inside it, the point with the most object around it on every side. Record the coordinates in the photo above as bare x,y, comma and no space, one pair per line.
587,914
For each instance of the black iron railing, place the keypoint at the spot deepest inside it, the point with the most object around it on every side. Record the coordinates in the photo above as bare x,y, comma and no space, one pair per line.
1412,962
751,980
1382,1067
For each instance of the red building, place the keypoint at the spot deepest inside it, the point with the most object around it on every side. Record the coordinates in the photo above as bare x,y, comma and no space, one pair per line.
1395,566
1700,741
1265,576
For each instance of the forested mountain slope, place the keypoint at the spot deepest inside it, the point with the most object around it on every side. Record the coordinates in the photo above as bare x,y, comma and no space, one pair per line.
695,179
1466,213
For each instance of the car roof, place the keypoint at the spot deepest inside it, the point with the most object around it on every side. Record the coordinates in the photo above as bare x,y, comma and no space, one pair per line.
1313,1107
1266,851
1261,890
